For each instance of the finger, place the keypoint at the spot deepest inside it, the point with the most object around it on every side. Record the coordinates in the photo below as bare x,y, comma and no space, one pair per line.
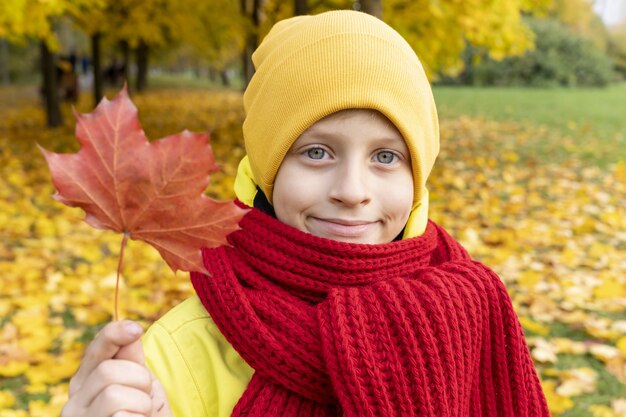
113,372
117,398
105,346
71,409
132,352
160,404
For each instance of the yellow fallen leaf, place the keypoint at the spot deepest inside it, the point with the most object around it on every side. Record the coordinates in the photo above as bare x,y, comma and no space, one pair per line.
604,352
54,369
510,156
40,408
619,406
7,399
621,345
556,403
617,367
544,351
577,381
573,387
13,368
599,410
91,316
13,413
36,388
529,278
564,345
533,326
610,288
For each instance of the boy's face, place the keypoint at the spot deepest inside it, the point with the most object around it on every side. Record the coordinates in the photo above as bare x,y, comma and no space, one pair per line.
348,178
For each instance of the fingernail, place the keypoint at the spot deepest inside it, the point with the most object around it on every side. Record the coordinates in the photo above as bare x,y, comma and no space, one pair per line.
160,407
133,328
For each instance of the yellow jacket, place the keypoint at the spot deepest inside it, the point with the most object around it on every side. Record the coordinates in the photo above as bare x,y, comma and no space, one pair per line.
202,374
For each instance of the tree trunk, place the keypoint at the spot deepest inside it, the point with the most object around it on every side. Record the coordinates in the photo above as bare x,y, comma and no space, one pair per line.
213,73
373,7
4,61
301,7
245,58
126,63
50,87
224,77
98,82
248,66
142,66
251,40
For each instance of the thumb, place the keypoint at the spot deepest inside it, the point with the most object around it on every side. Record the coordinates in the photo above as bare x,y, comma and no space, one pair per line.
132,352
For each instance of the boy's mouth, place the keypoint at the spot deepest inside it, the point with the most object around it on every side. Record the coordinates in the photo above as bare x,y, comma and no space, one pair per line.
342,227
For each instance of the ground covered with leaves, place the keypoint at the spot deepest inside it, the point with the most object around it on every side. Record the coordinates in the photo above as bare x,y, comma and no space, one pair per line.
554,231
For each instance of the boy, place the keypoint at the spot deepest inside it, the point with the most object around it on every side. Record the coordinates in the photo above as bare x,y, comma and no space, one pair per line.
337,296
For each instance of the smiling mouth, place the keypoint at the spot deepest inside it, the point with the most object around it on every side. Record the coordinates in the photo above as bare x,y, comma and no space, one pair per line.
342,227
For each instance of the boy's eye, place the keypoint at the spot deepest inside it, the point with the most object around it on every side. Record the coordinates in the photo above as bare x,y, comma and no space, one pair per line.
316,153
385,157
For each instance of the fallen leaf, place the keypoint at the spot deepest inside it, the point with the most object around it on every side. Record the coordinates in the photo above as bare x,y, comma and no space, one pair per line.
556,403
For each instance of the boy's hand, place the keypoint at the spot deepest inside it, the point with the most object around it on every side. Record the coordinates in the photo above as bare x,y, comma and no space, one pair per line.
113,380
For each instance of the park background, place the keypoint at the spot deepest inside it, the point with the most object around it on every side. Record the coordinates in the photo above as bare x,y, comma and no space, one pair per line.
531,176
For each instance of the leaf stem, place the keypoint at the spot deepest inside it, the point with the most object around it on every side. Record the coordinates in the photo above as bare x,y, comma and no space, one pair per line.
119,271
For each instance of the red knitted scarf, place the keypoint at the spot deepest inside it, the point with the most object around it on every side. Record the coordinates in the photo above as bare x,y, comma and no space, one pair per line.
409,328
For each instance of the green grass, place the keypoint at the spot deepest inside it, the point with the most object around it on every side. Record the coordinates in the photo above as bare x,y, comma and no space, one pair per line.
599,110
187,81
585,124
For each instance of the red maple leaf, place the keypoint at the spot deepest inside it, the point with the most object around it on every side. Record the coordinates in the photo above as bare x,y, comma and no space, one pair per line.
151,191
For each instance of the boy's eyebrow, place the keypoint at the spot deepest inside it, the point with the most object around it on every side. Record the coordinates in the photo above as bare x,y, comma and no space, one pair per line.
312,131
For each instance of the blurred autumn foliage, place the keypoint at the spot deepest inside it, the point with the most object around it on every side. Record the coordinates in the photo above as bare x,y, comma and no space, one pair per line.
555,232
221,34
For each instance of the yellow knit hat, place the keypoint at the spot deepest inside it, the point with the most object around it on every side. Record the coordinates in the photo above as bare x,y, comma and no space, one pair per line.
309,67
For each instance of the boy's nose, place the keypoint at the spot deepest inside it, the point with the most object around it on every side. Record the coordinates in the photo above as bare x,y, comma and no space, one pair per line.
349,186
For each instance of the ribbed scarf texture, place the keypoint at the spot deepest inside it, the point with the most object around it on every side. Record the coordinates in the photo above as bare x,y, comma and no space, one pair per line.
409,328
